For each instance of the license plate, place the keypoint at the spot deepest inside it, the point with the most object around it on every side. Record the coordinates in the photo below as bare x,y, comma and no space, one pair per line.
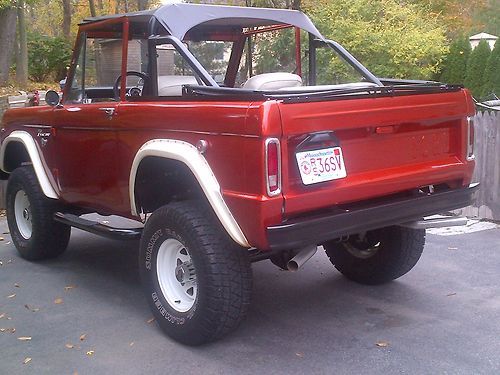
321,165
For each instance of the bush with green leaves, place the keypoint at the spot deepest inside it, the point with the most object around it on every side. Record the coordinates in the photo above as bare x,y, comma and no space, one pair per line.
491,78
390,38
455,64
476,67
48,57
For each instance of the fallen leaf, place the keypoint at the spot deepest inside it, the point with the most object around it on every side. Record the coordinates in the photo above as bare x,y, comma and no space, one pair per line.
8,330
149,321
12,295
2,315
5,232
26,360
69,287
90,352
32,309
382,344
17,285
83,337
451,294
299,354
1,263
131,344
58,301
7,243
24,338
69,346
453,248
1,238
9,261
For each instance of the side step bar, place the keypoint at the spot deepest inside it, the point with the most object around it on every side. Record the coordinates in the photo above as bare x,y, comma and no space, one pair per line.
98,228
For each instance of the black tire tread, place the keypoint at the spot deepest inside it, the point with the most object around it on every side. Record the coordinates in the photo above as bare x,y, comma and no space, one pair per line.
49,238
227,268
400,252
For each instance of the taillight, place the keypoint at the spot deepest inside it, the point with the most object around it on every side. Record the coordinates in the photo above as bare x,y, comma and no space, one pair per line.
470,138
273,167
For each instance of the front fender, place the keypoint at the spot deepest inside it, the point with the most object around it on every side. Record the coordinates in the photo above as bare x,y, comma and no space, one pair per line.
34,153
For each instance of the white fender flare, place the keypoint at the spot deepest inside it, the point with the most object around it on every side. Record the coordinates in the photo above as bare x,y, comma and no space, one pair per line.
36,159
187,154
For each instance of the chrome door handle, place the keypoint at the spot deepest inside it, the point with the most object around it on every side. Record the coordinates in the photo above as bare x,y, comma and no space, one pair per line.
110,112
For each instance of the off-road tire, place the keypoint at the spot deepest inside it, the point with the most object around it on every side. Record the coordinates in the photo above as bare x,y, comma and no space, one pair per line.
49,238
222,268
399,250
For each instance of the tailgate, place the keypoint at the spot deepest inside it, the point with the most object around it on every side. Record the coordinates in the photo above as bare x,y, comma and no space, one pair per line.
388,144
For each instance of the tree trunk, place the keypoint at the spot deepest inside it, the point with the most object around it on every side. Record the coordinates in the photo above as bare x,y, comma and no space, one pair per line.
142,4
66,25
22,61
92,8
7,36
100,6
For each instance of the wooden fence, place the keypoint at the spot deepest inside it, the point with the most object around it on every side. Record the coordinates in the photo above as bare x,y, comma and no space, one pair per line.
487,172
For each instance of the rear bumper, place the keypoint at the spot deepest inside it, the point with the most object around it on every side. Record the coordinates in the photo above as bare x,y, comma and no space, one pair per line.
318,229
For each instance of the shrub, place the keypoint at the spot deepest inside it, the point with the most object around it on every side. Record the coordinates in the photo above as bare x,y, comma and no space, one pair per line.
47,57
475,69
491,78
455,64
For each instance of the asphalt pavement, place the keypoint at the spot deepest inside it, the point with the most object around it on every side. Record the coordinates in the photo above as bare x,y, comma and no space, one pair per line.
85,313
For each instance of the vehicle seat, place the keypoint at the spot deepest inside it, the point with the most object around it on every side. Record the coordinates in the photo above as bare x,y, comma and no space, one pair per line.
272,81
172,85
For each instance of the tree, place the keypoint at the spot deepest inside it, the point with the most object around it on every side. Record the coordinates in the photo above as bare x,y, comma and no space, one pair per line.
491,79
487,18
475,69
22,57
392,39
455,64
66,22
456,15
92,8
7,36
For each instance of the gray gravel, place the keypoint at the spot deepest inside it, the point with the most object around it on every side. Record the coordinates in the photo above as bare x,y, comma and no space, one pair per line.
441,318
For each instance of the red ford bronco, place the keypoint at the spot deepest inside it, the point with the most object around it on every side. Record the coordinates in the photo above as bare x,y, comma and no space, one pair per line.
169,118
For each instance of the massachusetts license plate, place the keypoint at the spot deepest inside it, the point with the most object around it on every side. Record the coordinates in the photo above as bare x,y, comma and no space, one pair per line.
321,165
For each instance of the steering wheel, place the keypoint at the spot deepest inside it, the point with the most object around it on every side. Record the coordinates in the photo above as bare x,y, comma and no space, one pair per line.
116,90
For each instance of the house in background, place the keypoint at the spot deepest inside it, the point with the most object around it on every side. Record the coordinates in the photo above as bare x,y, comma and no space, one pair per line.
475,39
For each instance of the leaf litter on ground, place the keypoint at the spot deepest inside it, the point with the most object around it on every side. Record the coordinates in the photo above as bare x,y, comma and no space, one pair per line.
382,344
31,308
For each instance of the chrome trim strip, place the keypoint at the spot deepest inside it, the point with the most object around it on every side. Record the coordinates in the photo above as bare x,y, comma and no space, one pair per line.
191,157
36,159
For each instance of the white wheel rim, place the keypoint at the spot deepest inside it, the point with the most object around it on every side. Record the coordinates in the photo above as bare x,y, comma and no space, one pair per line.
176,275
22,211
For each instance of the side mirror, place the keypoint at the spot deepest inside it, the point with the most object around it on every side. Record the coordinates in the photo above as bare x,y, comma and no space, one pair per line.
52,98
